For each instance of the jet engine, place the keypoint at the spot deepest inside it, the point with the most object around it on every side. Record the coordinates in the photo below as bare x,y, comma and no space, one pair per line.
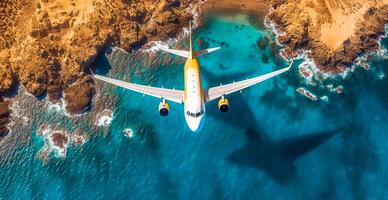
164,108
223,104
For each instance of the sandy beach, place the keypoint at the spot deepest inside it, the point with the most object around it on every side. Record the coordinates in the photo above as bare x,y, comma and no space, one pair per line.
255,9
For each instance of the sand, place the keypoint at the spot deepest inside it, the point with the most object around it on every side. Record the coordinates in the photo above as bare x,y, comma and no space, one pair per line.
250,7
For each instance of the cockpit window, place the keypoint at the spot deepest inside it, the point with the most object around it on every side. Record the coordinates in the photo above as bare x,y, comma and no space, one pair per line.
195,115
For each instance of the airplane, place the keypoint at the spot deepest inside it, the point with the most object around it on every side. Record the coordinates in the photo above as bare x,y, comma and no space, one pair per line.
194,97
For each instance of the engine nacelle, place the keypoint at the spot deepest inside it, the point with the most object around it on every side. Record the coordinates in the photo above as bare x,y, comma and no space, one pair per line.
164,108
223,104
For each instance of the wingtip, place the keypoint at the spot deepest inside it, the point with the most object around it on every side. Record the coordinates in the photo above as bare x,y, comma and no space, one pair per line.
163,48
290,65
91,71
214,49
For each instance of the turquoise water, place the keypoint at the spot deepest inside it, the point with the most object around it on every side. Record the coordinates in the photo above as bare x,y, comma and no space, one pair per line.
273,144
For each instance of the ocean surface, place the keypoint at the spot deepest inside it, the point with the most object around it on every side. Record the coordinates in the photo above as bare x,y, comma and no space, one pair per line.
273,144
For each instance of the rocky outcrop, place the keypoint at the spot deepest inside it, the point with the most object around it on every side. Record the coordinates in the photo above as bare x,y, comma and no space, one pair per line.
79,95
335,32
4,117
48,46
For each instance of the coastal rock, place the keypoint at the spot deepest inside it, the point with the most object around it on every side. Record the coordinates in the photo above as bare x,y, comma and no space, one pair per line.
5,114
49,46
307,94
57,141
6,78
128,133
79,95
334,32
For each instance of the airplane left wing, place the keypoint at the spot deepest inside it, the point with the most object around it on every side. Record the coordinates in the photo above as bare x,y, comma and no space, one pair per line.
168,94
218,91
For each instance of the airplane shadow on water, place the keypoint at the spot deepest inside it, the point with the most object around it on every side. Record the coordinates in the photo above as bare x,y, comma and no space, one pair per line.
275,158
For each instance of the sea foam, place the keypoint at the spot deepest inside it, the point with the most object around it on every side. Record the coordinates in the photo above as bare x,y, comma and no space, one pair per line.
128,132
104,118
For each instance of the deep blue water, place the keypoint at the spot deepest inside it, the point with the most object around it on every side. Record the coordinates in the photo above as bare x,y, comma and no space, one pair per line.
273,144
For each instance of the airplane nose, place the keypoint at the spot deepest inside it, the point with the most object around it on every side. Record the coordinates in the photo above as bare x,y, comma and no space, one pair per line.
194,123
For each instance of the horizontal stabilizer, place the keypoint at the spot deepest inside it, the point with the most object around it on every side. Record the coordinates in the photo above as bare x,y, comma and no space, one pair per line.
180,53
185,54
206,51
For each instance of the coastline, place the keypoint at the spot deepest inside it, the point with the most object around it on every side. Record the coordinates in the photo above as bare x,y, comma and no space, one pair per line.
255,10
64,41
309,27
260,13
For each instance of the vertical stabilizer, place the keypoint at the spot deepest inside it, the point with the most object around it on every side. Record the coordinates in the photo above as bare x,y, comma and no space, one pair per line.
191,54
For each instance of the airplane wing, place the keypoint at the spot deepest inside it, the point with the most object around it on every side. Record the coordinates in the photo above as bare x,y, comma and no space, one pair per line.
218,91
168,94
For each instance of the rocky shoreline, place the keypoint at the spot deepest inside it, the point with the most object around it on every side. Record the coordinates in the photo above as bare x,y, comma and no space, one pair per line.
48,47
333,33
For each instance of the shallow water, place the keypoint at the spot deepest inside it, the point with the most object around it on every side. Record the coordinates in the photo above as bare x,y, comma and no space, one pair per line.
273,144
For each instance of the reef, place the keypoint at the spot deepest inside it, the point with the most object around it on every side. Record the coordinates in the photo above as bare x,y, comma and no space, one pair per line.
334,33
128,133
57,141
48,46
307,94
104,118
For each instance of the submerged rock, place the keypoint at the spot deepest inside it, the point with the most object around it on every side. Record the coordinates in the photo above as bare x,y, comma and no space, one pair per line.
307,94
264,58
57,141
263,42
128,133
339,89
104,118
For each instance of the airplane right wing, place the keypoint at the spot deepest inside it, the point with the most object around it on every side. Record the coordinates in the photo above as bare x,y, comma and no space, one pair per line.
168,94
218,91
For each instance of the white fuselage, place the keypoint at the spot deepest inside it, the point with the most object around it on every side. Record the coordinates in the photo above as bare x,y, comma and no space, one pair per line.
194,105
